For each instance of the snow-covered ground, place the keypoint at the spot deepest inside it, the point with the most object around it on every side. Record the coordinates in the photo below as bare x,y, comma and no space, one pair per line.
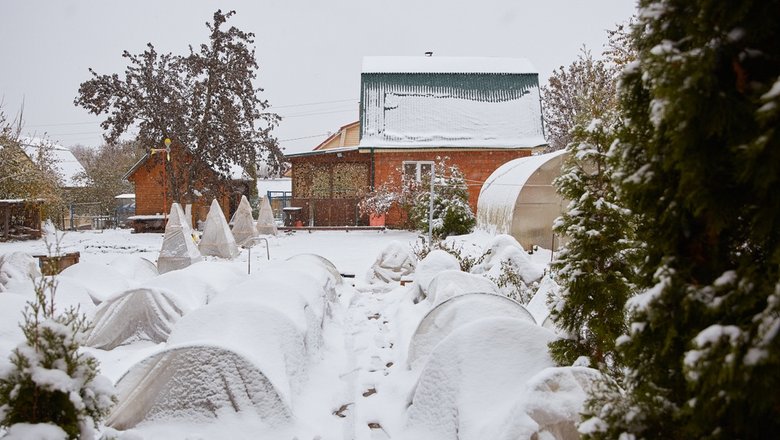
297,351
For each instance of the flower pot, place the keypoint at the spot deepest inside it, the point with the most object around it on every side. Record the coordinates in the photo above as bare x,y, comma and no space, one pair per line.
376,220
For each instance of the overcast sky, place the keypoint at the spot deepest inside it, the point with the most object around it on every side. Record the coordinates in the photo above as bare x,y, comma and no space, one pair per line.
309,52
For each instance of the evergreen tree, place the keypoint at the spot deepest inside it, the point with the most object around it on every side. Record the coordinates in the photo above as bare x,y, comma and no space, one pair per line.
700,161
595,267
49,381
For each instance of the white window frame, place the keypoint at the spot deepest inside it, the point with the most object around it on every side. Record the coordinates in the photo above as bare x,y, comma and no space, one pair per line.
418,168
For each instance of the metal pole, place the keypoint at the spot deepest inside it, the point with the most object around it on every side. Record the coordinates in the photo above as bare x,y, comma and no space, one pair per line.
430,209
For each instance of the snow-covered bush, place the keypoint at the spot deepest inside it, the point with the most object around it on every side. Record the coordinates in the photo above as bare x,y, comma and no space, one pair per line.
49,382
452,214
379,201
422,247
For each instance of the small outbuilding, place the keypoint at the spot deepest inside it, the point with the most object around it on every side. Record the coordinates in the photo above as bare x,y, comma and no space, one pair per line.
519,199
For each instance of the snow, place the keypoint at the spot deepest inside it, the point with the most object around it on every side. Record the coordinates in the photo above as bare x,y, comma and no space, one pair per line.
16,272
435,262
504,248
35,431
295,349
101,280
456,312
475,372
445,112
450,283
394,262
436,64
439,119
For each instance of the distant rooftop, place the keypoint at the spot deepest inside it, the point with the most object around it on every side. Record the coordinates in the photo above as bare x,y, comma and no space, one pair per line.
434,64
64,162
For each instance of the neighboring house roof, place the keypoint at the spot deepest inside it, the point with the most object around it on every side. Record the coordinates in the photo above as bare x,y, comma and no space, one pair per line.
341,135
65,163
325,151
414,102
235,172
447,65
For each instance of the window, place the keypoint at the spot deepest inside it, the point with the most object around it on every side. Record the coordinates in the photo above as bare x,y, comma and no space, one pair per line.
415,171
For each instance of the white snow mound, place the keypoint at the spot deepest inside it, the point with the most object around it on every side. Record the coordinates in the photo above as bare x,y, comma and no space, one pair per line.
550,405
231,356
143,314
430,266
450,283
17,270
456,312
102,281
393,262
506,248
473,374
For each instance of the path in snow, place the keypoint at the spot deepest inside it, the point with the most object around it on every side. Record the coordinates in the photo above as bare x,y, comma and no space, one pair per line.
372,356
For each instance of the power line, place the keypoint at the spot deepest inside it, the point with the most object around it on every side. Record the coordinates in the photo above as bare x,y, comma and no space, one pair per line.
317,114
312,103
60,124
304,137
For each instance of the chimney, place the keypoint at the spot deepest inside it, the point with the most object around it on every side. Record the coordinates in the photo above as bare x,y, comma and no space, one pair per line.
428,54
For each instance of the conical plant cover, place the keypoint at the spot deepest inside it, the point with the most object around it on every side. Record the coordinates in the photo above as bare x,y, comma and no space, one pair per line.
266,223
243,223
178,249
217,240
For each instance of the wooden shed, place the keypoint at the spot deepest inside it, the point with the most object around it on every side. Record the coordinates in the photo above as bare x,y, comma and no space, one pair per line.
20,219
162,179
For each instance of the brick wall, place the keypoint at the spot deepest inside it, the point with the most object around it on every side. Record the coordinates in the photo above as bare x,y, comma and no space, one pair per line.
148,182
476,166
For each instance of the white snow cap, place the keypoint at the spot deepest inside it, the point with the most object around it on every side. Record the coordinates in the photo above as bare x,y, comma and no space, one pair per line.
434,64
16,271
430,266
392,263
473,373
217,240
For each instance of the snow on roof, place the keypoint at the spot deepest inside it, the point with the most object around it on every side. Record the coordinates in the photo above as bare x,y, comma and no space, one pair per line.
275,184
434,64
461,107
68,167
125,196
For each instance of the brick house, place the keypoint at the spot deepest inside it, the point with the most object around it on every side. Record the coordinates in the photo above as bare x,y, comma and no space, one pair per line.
478,112
187,181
